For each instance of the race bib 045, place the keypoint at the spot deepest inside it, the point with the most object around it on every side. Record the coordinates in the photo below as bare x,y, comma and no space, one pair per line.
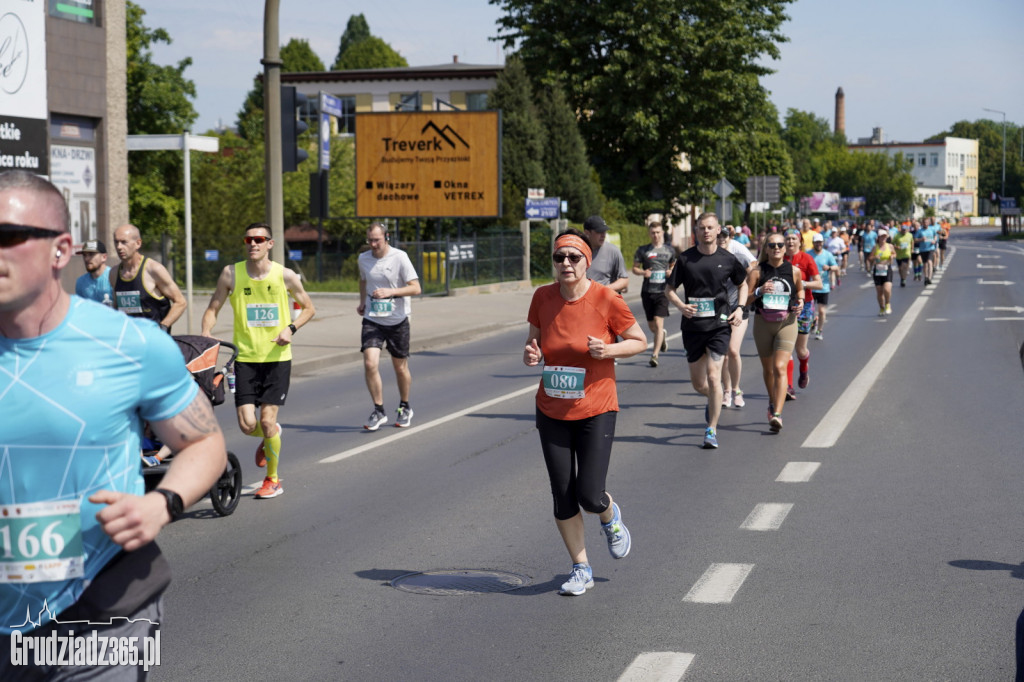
129,302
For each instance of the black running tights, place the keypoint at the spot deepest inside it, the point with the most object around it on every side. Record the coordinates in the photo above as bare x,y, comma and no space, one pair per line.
576,453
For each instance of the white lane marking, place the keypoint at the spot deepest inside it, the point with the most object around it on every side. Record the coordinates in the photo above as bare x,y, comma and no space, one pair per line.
937,319
657,666
983,255
991,267
1003,308
835,421
1002,319
719,584
767,516
999,282
797,472
927,292
867,285
677,335
429,425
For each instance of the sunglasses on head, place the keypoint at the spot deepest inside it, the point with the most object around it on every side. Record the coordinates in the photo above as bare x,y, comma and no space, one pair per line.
574,258
256,240
13,235
776,245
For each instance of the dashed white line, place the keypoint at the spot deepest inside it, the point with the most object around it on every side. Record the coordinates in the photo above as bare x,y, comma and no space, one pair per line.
798,472
767,516
657,666
719,584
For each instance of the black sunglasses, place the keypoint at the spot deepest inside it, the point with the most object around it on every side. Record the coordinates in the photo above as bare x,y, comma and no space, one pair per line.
13,235
574,258
256,240
776,245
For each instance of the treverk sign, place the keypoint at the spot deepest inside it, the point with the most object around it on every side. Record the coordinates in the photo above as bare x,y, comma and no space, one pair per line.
428,164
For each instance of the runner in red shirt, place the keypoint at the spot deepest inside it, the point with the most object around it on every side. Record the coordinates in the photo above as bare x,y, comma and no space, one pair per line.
812,282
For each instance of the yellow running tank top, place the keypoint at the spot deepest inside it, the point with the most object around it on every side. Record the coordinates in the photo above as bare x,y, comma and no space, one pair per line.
261,311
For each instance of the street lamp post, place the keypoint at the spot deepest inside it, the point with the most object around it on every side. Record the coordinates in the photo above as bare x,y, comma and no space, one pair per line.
1002,191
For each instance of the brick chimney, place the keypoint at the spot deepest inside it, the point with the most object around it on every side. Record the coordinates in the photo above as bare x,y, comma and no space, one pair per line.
840,112
455,59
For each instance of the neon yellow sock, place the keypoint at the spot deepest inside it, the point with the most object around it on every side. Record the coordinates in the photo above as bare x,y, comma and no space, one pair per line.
272,450
258,431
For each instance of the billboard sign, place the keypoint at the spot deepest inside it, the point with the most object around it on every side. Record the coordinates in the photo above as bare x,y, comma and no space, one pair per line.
956,202
428,164
824,202
23,107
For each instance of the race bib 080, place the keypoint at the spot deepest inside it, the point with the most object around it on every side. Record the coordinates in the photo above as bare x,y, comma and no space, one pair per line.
41,541
563,382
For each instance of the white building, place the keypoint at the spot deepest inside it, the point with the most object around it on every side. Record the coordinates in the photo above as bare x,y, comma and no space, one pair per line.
946,171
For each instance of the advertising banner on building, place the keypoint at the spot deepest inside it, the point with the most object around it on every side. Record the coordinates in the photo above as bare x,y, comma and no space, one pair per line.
956,202
824,202
73,171
23,107
428,164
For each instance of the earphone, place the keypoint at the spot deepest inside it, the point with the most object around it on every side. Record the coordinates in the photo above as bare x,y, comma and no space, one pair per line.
59,253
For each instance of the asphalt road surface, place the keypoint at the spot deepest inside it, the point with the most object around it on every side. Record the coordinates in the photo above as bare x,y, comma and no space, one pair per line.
877,537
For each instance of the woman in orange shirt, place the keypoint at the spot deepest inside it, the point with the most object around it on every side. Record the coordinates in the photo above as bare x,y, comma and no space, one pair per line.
573,326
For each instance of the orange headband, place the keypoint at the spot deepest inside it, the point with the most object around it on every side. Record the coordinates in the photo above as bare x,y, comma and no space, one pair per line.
576,243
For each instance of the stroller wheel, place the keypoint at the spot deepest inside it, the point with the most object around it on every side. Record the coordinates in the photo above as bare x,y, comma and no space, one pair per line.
228,489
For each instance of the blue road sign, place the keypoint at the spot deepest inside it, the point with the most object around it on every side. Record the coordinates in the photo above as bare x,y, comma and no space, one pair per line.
329,104
544,209
211,255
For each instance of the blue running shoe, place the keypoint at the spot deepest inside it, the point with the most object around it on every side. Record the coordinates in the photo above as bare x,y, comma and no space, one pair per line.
710,439
580,580
619,540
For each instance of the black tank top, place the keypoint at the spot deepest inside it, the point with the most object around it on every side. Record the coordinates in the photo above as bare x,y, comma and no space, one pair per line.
135,300
783,273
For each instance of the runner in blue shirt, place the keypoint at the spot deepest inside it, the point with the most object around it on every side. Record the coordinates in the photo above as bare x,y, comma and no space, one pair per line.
95,283
76,381
926,239
827,264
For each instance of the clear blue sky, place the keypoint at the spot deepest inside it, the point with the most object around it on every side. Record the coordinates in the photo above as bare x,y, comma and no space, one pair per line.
912,67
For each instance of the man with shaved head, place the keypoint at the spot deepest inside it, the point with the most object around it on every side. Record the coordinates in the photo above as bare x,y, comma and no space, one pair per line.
76,382
143,287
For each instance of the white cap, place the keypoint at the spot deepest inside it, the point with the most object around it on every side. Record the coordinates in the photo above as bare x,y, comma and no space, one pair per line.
817,237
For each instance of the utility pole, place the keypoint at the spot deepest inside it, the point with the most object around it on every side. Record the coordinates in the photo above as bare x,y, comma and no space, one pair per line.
272,127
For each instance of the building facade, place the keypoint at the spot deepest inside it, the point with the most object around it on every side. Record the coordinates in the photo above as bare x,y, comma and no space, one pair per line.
63,111
419,88
946,171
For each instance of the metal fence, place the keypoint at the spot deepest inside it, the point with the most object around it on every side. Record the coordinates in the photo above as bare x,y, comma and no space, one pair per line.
442,265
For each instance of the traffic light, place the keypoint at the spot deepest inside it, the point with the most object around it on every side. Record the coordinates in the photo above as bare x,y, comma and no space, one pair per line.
292,125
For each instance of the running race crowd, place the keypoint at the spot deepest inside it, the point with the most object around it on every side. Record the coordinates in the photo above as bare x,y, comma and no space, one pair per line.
579,326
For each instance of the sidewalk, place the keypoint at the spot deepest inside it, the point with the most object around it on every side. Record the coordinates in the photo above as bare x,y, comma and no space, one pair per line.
332,338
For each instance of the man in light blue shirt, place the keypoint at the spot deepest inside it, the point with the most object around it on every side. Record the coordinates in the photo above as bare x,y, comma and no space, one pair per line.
926,238
827,265
76,381
95,283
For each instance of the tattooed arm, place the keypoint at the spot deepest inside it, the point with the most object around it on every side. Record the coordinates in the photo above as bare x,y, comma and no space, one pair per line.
195,438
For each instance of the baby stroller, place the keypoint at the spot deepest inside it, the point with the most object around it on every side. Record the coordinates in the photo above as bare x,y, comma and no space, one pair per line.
201,354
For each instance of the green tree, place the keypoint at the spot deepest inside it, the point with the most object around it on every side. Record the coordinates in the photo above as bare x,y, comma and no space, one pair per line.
812,146
652,80
989,135
884,181
569,173
369,53
158,102
522,138
296,57
356,31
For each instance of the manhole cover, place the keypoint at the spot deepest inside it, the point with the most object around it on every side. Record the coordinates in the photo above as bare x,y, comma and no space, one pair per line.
456,581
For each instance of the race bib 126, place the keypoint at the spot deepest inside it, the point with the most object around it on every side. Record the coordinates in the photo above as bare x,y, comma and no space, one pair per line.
262,315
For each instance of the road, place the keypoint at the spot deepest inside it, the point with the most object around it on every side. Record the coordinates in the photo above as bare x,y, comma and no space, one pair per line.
886,546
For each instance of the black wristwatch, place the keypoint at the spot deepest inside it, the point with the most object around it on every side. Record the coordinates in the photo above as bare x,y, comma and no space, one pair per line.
293,328
175,505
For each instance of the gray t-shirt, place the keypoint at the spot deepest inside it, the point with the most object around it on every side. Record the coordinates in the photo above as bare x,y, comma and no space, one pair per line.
393,270
608,265
657,259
